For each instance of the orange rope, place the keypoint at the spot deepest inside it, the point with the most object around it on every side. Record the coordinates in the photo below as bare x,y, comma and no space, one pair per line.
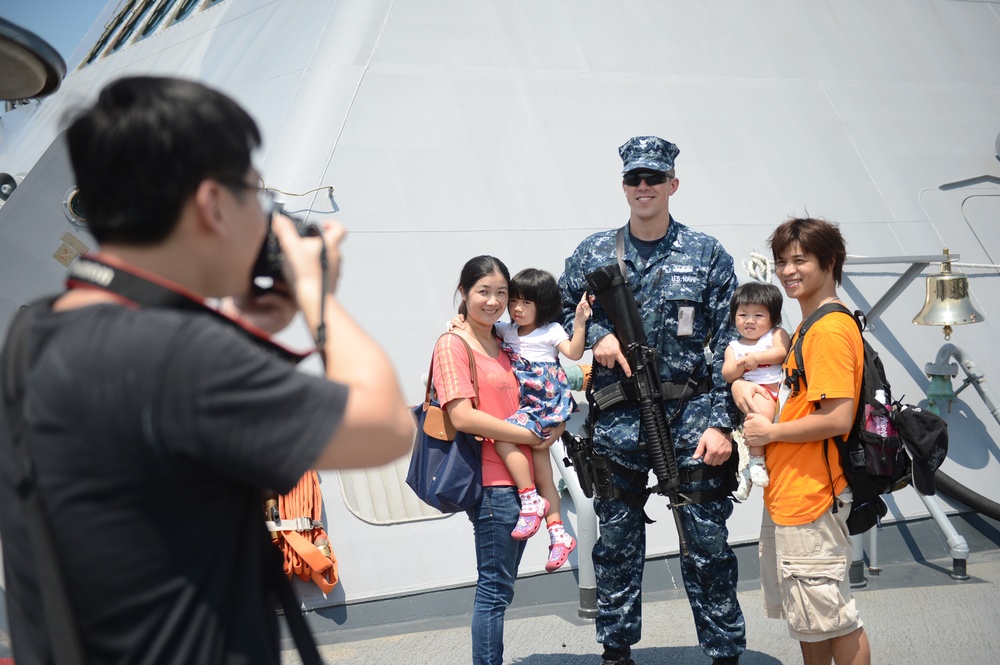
307,553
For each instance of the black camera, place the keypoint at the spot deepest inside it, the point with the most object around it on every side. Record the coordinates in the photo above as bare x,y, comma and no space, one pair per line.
267,270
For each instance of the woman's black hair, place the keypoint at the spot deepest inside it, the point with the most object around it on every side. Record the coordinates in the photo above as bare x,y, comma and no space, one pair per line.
756,293
474,270
540,288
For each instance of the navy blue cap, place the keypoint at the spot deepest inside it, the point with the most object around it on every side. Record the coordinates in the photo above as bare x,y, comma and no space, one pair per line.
648,152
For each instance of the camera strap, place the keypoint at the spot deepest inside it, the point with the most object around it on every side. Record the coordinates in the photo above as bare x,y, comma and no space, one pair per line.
147,290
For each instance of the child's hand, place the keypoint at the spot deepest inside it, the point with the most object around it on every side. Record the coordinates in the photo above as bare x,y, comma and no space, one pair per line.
583,310
749,362
458,323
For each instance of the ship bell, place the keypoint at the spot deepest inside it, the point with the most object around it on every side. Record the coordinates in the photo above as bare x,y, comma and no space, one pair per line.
947,301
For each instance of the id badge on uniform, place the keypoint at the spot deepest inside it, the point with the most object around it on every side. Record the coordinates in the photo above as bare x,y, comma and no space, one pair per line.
685,321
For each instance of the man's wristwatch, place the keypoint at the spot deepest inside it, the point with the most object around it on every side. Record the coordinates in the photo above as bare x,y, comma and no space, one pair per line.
724,430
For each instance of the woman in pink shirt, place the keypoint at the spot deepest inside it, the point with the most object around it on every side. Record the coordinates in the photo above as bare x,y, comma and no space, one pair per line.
483,287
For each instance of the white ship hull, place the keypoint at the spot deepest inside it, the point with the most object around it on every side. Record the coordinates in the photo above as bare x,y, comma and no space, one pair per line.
454,128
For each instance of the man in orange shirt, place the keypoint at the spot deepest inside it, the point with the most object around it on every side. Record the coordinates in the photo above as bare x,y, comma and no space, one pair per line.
804,542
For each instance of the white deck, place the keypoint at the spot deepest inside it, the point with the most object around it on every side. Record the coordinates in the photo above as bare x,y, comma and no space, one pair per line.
914,614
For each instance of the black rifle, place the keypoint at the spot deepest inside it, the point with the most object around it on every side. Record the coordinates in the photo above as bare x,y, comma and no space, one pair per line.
613,292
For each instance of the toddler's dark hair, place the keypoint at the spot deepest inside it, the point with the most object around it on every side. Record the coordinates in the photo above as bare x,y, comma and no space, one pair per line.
540,288
756,293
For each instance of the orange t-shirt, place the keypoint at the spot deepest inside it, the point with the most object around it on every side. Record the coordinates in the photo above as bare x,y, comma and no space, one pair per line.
800,489
499,395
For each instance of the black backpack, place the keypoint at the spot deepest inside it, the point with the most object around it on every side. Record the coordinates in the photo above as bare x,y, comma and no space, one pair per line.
872,455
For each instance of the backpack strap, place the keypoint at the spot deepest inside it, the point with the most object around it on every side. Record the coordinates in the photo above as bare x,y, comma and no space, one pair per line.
57,607
795,379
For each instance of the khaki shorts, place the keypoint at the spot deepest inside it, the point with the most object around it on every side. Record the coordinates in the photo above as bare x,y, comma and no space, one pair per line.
803,574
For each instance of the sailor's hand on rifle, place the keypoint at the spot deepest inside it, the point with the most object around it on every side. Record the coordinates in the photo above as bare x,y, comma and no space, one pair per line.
608,352
714,447
757,430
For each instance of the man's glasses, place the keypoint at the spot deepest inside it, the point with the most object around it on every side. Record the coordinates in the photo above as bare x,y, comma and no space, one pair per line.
265,197
651,178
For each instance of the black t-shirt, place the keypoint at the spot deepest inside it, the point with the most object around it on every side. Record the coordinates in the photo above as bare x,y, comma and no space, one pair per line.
153,433
644,247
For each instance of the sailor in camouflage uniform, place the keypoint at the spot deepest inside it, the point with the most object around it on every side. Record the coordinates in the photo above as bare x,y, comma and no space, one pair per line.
683,281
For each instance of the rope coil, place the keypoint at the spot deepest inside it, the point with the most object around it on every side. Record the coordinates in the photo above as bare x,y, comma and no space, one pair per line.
759,267
301,537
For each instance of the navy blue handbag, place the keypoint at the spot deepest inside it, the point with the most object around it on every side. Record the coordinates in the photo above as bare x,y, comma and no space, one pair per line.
446,466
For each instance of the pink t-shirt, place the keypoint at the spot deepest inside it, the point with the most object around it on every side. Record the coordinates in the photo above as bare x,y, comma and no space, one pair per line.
499,394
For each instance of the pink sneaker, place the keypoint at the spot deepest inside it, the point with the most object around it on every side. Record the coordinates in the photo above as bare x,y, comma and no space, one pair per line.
532,516
559,552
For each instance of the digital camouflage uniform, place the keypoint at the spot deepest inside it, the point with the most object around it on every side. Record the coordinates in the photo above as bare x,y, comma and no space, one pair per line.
686,269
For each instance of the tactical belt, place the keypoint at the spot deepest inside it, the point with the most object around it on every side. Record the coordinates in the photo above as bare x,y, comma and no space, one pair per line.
637,500
624,392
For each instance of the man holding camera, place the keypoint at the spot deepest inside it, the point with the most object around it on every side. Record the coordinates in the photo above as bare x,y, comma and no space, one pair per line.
682,281
153,422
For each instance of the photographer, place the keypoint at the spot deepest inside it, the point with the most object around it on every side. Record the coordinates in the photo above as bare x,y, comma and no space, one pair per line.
153,429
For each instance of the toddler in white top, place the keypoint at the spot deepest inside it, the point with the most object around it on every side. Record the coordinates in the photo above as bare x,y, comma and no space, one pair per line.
756,356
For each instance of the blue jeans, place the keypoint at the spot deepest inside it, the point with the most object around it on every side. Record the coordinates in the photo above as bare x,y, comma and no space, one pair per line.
497,558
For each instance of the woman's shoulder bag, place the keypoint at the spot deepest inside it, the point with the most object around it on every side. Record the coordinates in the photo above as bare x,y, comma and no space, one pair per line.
446,466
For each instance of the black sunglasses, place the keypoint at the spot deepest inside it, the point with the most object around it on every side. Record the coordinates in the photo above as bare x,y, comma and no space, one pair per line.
651,178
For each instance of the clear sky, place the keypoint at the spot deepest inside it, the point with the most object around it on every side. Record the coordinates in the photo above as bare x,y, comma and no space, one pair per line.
61,23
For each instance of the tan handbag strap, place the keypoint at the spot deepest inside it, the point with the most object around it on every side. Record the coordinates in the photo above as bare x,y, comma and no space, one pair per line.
472,370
